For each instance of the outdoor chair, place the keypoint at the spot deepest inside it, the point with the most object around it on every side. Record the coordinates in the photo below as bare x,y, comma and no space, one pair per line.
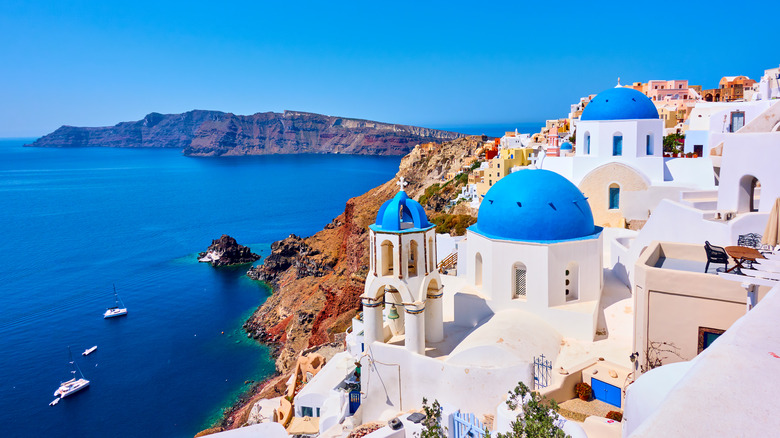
750,240
715,254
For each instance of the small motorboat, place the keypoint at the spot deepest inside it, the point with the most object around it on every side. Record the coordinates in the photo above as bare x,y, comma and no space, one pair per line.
89,351
115,311
55,401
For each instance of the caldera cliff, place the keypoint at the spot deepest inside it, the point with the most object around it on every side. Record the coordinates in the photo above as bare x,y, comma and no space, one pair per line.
317,281
215,133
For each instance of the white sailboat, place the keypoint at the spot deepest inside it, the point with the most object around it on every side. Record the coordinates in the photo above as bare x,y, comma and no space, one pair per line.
89,351
112,312
73,385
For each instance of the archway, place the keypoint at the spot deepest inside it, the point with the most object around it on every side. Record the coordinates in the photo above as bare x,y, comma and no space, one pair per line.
387,258
411,267
749,195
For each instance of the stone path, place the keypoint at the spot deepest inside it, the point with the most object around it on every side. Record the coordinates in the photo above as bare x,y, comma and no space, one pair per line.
578,410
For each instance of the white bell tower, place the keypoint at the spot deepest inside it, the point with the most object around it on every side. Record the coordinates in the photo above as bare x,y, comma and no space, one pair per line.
403,290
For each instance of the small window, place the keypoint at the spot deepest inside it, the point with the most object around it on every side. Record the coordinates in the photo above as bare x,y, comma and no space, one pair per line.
649,145
307,411
614,197
707,336
519,280
587,143
698,150
617,145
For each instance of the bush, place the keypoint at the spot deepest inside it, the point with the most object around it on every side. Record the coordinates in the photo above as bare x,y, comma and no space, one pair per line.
615,415
584,391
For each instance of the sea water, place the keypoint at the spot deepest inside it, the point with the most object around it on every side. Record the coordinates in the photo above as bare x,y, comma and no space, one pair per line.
75,222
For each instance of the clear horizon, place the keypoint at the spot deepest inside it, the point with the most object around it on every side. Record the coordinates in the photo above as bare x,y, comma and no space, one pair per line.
89,63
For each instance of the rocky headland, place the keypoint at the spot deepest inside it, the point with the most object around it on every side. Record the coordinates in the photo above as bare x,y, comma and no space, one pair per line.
225,251
317,281
215,133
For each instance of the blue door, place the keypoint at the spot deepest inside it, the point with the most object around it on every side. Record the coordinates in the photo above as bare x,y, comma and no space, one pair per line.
354,401
606,392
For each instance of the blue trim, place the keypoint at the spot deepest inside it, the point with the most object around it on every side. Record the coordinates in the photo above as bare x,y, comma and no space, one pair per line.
474,229
378,229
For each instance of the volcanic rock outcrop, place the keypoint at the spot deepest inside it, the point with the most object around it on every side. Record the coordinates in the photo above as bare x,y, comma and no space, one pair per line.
225,251
214,133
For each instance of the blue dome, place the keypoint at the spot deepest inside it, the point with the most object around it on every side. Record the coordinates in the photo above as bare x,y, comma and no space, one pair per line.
401,214
566,146
620,104
535,205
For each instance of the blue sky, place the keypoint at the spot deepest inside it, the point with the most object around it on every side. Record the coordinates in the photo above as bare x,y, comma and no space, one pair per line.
96,63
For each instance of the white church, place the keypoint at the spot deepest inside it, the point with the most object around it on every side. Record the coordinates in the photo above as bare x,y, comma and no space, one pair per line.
532,289
618,161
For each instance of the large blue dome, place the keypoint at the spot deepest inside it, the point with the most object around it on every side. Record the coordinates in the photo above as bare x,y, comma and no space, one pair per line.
620,104
401,214
535,205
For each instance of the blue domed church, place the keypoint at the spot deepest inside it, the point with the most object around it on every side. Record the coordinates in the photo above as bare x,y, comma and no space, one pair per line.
535,247
618,159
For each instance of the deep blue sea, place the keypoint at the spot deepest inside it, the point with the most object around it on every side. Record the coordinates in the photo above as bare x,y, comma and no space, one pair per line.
73,222
496,130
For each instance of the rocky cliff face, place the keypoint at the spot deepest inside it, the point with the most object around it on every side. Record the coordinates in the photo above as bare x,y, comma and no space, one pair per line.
318,280
214,133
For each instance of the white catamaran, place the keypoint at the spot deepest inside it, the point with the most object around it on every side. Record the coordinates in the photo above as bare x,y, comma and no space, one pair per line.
112,312
73,385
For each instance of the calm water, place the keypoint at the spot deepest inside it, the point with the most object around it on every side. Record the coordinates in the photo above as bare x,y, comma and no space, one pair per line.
496,130
75,221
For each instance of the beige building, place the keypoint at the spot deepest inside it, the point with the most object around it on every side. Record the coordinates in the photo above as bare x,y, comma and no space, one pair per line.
501,166
679,309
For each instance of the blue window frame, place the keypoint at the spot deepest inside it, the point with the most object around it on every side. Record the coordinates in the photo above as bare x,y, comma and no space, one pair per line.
649,150
614,198
617,145
587,144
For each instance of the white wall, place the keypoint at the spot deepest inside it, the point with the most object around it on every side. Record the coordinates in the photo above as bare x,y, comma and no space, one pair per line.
545,279
397,380
756,154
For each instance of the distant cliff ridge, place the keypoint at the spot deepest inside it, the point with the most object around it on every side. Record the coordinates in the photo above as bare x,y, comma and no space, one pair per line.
214,133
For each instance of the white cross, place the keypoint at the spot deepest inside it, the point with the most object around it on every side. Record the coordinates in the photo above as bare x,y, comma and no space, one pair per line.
402,183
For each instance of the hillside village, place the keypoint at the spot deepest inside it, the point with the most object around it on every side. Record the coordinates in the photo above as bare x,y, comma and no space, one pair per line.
624,262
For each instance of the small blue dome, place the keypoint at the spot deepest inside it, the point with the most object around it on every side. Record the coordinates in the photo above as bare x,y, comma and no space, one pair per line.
535,205
401,214
566,146
620,104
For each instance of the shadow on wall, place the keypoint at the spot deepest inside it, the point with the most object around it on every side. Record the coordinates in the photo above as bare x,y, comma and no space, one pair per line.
470,310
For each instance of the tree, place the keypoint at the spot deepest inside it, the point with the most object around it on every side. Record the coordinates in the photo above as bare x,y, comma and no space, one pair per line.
538,417
673,143
432,422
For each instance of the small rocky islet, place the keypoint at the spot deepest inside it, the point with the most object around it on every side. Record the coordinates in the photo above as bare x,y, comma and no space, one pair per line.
225,251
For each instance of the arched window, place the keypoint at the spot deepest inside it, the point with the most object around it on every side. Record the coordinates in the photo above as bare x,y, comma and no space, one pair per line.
387,258
519,281
649,145
614,196
572,280
587,143
411,267
617,144
478,270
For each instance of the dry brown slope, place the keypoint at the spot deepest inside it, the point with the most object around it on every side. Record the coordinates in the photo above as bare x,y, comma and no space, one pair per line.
308,310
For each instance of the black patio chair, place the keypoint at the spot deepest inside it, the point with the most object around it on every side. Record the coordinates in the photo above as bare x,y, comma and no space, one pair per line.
715,254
